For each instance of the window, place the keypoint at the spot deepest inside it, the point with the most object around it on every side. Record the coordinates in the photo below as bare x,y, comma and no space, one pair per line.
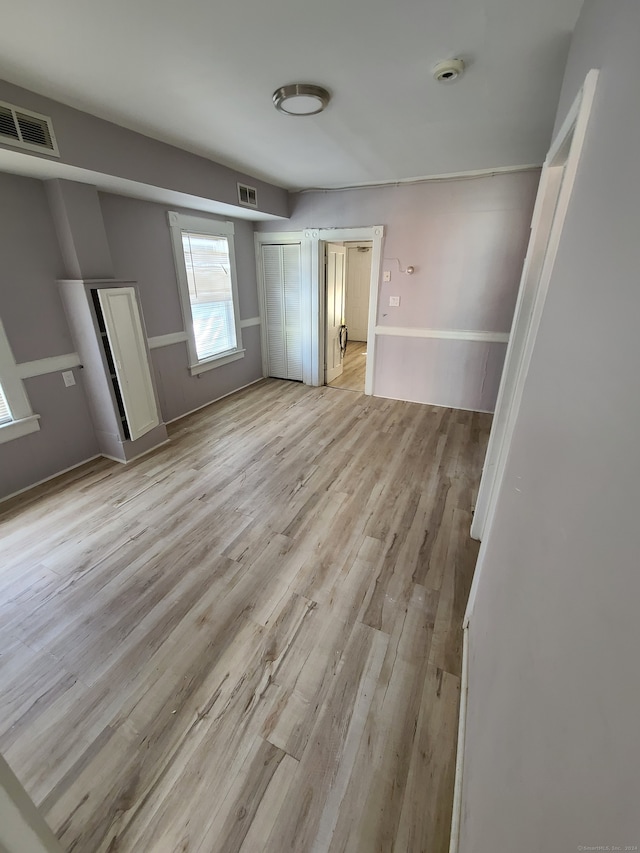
210,293
5,411
205,266
16,415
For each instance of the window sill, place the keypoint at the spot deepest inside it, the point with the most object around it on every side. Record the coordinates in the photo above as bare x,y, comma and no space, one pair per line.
16,429
216,361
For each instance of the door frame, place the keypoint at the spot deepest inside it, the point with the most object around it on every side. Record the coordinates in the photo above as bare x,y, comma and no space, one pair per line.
373,234
565,152
312,259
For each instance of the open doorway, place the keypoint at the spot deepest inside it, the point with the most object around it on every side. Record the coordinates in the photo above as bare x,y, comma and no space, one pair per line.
311,324
347,295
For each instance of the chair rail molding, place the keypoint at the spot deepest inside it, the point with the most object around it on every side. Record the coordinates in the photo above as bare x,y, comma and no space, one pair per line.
443,334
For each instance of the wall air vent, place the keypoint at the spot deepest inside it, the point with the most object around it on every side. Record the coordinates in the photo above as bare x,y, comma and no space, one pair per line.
247,196
25,129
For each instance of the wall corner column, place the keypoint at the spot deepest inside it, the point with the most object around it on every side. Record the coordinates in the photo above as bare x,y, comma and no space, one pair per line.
77,216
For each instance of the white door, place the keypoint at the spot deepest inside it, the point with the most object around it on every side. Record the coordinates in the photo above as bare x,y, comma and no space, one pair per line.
336,263
357,291
281,274
126,339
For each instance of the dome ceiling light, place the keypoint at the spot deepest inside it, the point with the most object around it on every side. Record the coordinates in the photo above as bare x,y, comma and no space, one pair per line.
301,99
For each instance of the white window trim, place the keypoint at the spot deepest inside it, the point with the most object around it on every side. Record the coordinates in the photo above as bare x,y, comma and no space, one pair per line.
179,222
24,421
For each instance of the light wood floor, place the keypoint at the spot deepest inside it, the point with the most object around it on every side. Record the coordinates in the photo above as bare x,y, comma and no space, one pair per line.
354,368
249,640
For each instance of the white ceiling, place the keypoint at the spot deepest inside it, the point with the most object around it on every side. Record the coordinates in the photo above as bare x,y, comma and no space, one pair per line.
200,75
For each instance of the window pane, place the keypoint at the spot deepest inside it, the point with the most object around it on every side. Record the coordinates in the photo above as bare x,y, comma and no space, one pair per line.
209,278
5,414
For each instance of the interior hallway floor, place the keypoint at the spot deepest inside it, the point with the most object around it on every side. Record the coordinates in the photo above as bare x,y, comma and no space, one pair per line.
249,640
354,368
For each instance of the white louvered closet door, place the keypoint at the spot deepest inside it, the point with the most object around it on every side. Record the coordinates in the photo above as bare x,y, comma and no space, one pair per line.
282,300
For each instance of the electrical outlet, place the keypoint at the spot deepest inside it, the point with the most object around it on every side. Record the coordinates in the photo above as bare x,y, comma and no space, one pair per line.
386,275
69,378
394,302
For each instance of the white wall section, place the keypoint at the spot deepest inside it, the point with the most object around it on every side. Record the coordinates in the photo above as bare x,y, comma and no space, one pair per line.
552,750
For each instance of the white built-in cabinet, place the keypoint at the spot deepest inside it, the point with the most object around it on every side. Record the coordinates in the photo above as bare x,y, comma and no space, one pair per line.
282,297
108,330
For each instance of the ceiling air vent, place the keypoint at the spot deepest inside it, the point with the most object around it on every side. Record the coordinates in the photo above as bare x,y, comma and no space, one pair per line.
25,129
247,196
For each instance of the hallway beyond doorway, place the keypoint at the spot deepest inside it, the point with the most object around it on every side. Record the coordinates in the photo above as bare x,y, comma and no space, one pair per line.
354,368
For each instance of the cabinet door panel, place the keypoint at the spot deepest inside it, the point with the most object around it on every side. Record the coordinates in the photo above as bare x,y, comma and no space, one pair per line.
126,339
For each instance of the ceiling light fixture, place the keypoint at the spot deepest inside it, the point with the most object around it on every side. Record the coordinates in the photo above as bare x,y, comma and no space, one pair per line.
301,99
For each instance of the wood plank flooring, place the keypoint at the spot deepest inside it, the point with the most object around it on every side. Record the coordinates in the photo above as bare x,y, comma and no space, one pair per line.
249,640
354,368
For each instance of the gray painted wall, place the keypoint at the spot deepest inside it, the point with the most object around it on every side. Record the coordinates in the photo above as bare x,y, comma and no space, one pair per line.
30,308
139,239
552,748
180,392
137,234
77,218
100,146
467,240
66,435
459,374
36,327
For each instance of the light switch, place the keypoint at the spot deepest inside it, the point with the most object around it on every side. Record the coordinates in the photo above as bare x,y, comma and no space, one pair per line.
69,378
386,275
394,301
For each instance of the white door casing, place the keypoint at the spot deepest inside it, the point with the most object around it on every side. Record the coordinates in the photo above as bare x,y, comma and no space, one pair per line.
336,278
554,193
22,828
373,233
357,291
552,202
126,338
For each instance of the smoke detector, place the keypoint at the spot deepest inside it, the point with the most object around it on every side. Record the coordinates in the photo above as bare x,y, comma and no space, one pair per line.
448,70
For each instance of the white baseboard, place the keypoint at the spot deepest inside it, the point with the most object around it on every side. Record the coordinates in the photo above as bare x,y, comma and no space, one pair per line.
211,402
456,815
120,461
139,456
50,477
437,405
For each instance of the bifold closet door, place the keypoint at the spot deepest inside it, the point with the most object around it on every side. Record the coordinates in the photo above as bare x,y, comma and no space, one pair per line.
128,348
282,301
